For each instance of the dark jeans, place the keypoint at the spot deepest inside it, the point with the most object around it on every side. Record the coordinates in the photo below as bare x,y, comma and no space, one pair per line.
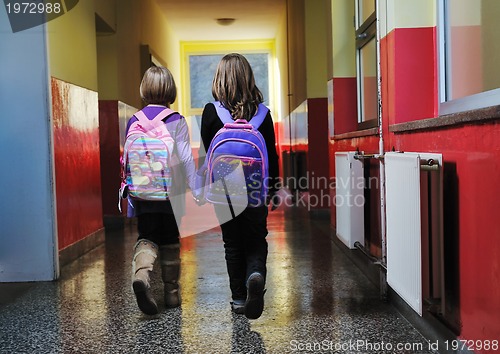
245,247
160,228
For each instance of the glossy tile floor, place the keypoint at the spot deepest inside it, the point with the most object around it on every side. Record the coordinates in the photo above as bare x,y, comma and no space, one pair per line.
317,301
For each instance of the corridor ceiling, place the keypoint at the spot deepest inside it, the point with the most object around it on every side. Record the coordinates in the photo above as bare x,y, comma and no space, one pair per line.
195,20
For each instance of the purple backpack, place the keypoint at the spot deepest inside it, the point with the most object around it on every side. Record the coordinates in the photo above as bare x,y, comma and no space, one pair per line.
236,165
146,158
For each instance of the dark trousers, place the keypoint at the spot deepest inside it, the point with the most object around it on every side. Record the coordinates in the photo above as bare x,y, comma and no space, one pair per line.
160,228
245,247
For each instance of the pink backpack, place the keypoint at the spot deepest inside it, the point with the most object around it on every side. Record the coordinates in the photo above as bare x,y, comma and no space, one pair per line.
146,158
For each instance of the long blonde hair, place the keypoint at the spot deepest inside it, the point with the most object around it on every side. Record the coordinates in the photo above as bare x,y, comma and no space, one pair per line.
234,86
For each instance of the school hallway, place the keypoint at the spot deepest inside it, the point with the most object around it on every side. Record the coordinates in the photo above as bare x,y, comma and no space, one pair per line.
317,300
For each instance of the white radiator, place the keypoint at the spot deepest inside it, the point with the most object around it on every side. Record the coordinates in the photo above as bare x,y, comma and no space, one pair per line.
404,230
349,199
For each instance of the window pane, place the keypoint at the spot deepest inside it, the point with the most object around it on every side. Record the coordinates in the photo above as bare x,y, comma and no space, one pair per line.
195,133
473,51
202,70
368,62
366,8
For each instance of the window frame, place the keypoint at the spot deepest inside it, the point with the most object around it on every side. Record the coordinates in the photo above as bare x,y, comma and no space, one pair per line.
212,63
473,102
365,33
189,49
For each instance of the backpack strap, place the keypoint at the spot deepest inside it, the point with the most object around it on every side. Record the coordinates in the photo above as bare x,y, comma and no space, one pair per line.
258,118
256,121
223,113
145,121
163,114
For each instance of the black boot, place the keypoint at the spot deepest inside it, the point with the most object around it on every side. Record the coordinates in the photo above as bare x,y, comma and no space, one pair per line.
254,304
236,269
170,271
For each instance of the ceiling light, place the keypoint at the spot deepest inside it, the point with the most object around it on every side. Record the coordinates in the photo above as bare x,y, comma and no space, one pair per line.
225,21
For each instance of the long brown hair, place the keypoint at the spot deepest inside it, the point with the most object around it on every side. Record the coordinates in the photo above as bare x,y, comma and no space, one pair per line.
234,86
158,86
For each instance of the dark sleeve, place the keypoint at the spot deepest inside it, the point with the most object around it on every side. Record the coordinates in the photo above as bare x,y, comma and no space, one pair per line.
210,125
267,131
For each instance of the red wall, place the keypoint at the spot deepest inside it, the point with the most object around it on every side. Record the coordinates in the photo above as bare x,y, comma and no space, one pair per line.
76,160
318,162
109,155
472,153
309,138
471,172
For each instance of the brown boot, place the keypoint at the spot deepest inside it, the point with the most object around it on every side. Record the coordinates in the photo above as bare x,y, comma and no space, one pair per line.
170,271
142,266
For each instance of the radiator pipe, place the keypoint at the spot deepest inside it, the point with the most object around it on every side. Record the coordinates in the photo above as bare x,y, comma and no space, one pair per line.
369,156
381,140
373,259
429,165
381,152
425,165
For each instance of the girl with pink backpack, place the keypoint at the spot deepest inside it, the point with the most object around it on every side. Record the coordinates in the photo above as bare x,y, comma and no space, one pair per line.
158,166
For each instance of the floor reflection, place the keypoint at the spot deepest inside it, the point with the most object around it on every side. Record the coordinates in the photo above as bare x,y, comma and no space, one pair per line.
314,294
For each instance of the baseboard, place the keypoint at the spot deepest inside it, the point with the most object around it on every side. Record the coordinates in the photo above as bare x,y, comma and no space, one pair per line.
428,325
81,247
435,331
369,269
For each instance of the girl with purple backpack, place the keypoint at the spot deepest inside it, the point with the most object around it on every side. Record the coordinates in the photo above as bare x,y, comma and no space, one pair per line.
244,236
157,221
